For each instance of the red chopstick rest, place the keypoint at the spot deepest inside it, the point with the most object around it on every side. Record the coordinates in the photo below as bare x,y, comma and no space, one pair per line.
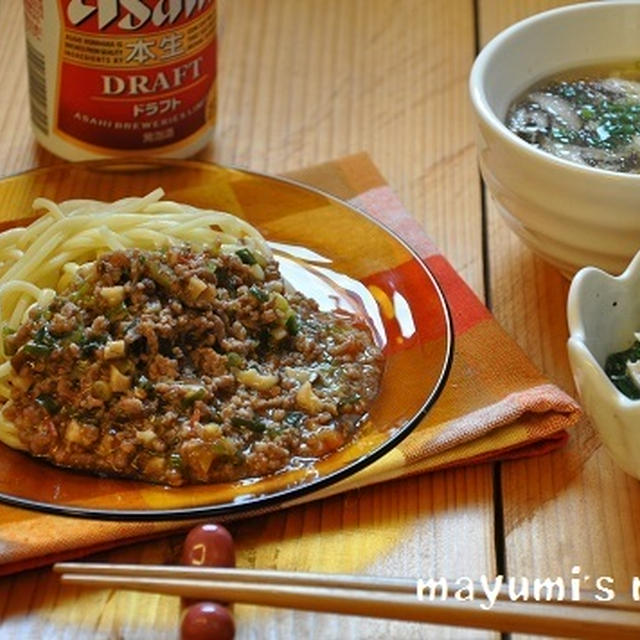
207,545
207,621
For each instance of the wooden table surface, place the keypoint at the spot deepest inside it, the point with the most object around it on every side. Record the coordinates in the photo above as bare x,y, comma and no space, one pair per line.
304,81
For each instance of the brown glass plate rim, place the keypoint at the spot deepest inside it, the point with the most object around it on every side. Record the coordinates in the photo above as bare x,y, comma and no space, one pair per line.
267,501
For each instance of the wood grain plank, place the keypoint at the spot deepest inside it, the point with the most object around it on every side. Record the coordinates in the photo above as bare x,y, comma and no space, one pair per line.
300,83
332,78
18,150
401,528
393,529
572,508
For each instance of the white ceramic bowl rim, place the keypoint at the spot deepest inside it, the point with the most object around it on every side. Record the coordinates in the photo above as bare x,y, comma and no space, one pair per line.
480,102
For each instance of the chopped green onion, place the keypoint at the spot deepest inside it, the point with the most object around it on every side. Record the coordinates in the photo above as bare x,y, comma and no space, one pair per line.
225,449
145,383
81,292
76,336
258,293
246,256
43,336
193,395
292,325
254,424
587,112
116,313
47,402
274,431
234,360
90,344
37,349
161,274
223,278
350,400
294,418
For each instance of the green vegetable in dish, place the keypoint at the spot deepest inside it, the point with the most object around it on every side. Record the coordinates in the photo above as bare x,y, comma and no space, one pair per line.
617,369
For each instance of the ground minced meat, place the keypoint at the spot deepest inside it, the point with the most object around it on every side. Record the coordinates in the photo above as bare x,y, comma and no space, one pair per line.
180,367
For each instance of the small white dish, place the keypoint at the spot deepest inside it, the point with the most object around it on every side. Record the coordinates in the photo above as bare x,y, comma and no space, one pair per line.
603,312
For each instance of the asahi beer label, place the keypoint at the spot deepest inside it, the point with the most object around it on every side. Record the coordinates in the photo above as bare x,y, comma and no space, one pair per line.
128,74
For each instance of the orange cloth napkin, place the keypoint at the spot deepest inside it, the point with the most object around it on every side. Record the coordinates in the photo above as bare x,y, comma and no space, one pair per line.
495,405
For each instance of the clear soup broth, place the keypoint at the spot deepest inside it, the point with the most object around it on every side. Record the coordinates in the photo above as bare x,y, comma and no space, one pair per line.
588,115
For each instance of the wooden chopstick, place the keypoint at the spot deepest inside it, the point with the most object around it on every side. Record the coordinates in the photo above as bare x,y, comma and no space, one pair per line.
393,598
329,580
265,576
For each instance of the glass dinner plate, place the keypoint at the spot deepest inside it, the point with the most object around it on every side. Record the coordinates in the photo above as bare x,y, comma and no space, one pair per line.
327,249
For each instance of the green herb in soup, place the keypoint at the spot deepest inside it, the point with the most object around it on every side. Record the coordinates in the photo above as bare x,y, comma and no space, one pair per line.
623,369
590,116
